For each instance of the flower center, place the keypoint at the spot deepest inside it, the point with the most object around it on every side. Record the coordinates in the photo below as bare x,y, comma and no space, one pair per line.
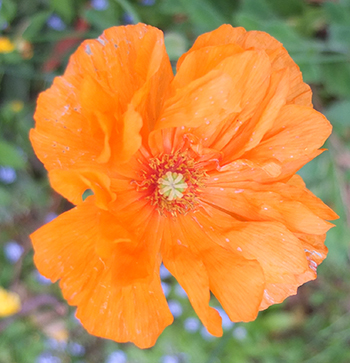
172,183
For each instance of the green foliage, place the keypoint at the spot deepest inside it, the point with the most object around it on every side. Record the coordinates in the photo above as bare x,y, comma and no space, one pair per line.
311,327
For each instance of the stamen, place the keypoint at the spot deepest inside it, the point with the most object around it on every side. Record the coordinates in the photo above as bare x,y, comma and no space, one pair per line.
172,183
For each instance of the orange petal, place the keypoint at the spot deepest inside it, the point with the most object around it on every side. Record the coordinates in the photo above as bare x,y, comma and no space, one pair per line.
66,249
276,293
188,269
198,102
297,132
223,91
315,252
61,138
73,183
237,282
137,313
87,116
251,133
223,35
279,252
299,92
265,206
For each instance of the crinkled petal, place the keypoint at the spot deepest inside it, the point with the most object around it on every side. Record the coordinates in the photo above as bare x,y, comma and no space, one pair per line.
299,92
187,267
297,132
66,249
265,205
73,183
88,116
237,282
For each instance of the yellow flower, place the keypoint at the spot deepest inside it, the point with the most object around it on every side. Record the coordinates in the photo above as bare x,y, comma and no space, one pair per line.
25,48
9,303
6,46
16,106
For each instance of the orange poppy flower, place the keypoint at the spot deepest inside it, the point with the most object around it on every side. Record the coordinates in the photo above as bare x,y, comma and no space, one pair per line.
195,171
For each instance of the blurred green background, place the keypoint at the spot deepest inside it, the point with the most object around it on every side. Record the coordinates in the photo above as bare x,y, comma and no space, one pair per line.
37,37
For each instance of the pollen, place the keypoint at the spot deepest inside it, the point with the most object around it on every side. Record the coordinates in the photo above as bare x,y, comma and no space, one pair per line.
172,183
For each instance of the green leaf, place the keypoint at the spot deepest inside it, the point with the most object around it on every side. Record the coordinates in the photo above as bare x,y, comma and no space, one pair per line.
337,78
10,156
338,114
128,8
65,9
337,13
258,9
36,23
176,45
339,36
204,16
287,8
101,19
8,10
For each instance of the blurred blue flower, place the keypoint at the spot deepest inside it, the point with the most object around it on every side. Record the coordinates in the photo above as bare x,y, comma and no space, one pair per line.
7,175
175,308
166,288
148,2
180,292
100,4
191,325
50,217
74,318
13,251
41,279
240,333
128,19
76,349
227,324
164,272
206,335
54,344
47,357
56,23
170,359
117,357
4,25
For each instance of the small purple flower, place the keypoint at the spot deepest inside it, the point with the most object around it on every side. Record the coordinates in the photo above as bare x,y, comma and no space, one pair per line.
180,292
41,279
50,217
100,5
227,324
148,2
166,288
117,357
170,359
47,357
128,19
164,273
191,325
175,308
13,251
206,335
7,175
240,333
56,23
76,349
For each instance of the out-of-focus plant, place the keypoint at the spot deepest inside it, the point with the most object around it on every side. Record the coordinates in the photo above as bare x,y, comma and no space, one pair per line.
36,40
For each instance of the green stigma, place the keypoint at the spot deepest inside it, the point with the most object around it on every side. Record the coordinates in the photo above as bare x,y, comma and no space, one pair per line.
172,185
